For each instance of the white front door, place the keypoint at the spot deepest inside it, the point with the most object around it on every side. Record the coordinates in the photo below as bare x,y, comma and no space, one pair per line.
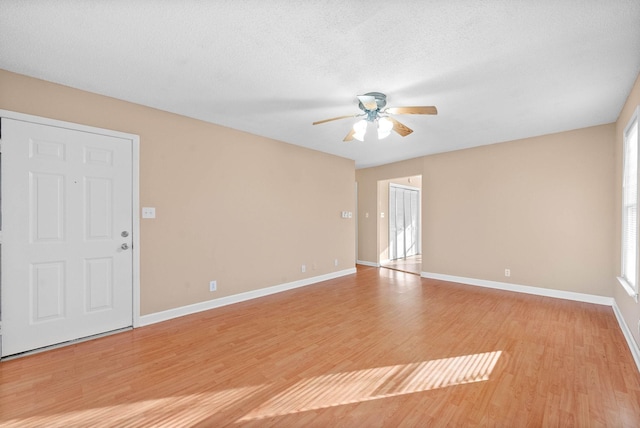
66,235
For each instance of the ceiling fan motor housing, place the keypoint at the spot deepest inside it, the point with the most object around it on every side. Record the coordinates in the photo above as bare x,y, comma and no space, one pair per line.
380,98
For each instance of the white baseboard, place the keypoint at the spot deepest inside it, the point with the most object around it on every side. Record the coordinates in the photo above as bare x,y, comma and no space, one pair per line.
633,346
548,292
365,263
237,298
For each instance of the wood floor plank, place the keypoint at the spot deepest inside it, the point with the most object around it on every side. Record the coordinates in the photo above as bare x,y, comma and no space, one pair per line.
378,348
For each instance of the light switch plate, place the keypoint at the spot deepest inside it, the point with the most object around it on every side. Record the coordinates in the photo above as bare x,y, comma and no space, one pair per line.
148,212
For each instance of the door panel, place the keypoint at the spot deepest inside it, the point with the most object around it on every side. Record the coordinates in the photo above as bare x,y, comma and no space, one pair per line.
98,209
47,202
99,284
46,282
64,272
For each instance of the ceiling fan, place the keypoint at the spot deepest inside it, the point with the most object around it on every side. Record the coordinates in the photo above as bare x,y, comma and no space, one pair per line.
373,109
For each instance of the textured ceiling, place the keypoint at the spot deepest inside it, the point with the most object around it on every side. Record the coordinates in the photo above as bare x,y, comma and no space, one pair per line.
497,70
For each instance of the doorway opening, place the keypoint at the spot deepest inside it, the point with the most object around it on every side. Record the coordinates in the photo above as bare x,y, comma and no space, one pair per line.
399,231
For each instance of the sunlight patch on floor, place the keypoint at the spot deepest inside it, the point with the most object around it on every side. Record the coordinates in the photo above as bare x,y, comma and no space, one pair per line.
381,382
308,394
171,411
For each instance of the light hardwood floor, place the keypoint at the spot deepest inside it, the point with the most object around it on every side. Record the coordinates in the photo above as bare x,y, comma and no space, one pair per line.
378,348
411,264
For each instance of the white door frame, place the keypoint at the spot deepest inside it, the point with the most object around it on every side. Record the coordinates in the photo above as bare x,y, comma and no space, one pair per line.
419,228
135,191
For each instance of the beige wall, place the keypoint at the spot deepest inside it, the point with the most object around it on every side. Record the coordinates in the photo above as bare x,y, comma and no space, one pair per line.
629,308
541,207
244,210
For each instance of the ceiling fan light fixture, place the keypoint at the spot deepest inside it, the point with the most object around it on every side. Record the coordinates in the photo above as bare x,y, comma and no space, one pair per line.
360,128
373,107
385,126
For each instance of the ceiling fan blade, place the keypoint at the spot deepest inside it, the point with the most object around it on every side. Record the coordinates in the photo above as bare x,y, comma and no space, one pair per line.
349,136
401,129
333,118
412,110
368,101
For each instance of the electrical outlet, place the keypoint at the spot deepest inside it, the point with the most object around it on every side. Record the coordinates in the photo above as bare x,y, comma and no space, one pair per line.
507,272
639,327
303,268
213,285
335,262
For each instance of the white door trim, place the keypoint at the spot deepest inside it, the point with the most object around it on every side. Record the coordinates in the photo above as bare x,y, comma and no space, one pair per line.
135,183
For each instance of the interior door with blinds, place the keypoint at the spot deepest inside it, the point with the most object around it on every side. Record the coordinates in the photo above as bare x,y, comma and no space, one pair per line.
404,221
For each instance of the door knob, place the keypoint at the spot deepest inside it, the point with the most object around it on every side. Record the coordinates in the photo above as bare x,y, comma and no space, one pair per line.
124,246
124,234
